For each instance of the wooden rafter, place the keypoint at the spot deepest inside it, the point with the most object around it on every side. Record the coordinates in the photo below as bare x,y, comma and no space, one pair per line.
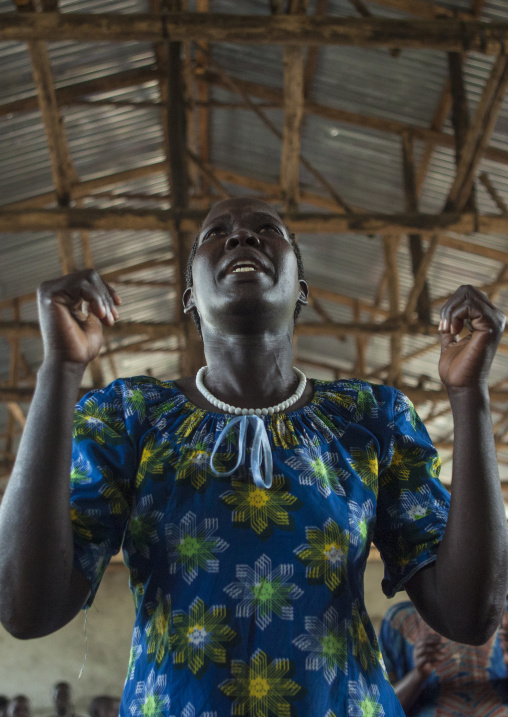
293,64
432,136
448,35
423,9
203,96
312,54
235,87
63,172
293,116
479,134
312,223
422,303
334,114
390,252
440,115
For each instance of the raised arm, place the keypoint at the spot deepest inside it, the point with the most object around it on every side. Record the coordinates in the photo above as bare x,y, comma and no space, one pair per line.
40,591
462,595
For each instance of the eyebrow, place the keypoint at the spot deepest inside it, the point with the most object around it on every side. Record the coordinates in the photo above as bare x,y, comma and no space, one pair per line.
260,216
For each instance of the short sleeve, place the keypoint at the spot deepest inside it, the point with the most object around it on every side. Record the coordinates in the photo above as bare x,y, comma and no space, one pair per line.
412,508
103,467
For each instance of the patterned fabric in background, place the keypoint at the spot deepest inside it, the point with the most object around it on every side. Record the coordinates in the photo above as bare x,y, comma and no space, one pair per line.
249,601
469,682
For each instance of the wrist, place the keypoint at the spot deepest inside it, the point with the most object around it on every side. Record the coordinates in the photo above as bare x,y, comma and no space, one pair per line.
54,366
468,395
422,672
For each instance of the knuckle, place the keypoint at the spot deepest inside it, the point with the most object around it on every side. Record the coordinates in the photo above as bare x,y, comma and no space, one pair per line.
46,291
92,276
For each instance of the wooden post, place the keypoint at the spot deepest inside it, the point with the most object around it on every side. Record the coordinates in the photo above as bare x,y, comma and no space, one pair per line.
390,249
191,355
415,240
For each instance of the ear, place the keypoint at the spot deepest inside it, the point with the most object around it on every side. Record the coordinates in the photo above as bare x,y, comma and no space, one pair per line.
303,295
188,301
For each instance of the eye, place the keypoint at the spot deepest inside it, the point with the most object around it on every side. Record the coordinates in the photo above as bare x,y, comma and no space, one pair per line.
269,228
215,232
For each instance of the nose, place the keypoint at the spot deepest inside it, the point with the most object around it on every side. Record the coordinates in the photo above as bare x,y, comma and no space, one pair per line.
242,237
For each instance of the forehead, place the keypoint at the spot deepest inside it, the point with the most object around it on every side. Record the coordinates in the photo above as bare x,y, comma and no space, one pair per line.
240,208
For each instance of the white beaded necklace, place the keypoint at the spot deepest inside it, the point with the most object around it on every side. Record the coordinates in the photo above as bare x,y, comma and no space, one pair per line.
251,411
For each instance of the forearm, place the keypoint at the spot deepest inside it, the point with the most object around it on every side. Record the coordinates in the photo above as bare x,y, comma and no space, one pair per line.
470,576
36,546
409,687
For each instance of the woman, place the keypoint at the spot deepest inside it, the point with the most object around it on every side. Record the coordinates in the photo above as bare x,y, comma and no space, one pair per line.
247,531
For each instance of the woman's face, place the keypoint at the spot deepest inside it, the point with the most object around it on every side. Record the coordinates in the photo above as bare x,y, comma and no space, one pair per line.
244,268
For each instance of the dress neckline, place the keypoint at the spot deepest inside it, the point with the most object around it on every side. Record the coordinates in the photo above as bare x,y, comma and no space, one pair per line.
312,381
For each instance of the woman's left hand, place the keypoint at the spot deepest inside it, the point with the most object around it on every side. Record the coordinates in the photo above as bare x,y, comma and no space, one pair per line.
466,363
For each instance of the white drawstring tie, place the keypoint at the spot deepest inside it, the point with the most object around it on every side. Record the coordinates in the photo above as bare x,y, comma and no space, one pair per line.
261,451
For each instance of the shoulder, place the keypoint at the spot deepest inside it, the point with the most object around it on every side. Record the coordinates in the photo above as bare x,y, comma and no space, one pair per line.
131,400
125,389
361,399
397,614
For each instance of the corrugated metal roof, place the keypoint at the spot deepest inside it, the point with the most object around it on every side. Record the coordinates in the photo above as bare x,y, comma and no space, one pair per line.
363,165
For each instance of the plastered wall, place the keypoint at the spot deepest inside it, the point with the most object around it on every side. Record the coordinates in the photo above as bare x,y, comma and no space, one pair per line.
32,667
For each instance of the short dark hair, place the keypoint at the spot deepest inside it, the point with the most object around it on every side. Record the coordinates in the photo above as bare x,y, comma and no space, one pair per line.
189,282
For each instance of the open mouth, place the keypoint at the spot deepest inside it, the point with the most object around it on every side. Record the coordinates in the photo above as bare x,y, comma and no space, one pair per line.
241,267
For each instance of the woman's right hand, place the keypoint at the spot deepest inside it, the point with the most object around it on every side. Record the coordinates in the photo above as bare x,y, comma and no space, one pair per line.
72,311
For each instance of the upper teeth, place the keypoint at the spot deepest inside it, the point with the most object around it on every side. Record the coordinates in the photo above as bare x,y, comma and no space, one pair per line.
244,268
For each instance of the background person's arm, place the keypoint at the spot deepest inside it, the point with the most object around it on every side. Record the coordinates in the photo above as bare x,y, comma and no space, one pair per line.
427,655
462,594
40,591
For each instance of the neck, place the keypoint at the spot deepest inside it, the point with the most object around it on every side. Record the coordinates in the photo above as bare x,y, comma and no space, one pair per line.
254,371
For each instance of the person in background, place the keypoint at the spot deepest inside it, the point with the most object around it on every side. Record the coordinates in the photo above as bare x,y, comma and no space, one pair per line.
433,676
19,706
62,700
4,703
104,706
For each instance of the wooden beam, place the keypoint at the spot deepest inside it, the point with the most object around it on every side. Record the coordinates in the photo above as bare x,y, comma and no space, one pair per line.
448,35
306,222
203,94
334,114
191,356
350,301
313,53
235,87
392,272
493,193
111,275
293,65
62,169
88,187
479,133
21,329
71,93
420,277
433,136
415,241
440,115
293,116
360,368
423,9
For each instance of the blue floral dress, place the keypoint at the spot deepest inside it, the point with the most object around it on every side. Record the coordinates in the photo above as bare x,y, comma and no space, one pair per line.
249,600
